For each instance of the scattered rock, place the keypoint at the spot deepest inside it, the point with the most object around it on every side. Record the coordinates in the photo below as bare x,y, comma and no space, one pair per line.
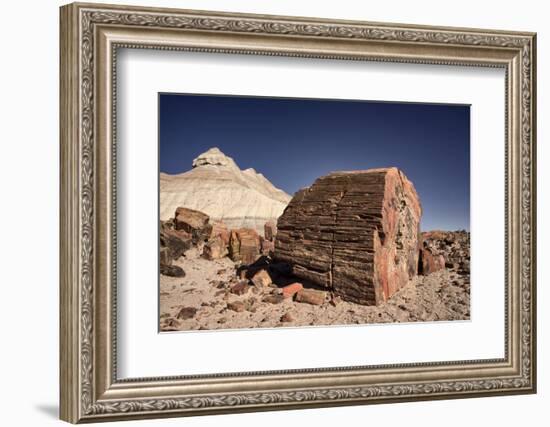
355,233
261,279
311,296
287,317
273,299
237,306
240,288
290,290
186,313
172,270
454,246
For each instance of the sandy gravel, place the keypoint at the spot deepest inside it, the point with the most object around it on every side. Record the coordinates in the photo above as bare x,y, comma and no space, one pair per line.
203,301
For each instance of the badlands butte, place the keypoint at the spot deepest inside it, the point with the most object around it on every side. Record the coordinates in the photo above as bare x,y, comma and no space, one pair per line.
236,252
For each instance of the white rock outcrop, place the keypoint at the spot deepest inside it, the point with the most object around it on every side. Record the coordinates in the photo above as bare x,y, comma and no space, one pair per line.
217,187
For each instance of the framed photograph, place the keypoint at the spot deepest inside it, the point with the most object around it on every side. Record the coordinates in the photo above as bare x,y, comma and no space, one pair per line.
266,212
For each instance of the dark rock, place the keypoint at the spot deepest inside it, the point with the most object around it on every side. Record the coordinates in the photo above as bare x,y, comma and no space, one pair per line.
355,233
194,222
176,242
280,269
186,313
172,270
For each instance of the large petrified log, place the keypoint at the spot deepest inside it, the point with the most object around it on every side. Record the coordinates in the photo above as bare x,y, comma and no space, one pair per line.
356,233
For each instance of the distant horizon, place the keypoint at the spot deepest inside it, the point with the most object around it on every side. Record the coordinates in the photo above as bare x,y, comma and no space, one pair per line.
313,137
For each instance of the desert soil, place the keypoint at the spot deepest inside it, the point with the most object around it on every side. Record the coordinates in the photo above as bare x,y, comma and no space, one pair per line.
202,300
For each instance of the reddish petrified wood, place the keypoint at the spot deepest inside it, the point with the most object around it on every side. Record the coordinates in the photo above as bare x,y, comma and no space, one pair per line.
221,230
356,233
429,263
244,245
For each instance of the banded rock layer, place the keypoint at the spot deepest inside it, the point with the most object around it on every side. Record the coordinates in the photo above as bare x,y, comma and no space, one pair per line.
355,233
217,187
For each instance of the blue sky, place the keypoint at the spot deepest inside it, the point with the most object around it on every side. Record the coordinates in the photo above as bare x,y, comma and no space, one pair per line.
294,141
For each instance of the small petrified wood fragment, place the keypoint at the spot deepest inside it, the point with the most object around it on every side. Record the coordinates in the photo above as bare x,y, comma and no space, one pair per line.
355,233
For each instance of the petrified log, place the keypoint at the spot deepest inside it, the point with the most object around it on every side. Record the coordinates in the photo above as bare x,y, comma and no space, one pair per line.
221,230
175,241
194,222
244,245
355,233
215,248
311,296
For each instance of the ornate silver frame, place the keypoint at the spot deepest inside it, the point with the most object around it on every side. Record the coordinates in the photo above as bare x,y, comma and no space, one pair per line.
90,36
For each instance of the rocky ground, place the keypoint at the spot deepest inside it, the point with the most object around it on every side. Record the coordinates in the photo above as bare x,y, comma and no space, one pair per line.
215,294
214,277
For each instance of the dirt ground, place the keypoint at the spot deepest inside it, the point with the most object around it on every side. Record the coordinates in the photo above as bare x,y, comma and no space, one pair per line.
202,300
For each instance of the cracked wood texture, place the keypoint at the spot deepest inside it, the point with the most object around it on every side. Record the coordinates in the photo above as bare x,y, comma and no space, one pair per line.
355,233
